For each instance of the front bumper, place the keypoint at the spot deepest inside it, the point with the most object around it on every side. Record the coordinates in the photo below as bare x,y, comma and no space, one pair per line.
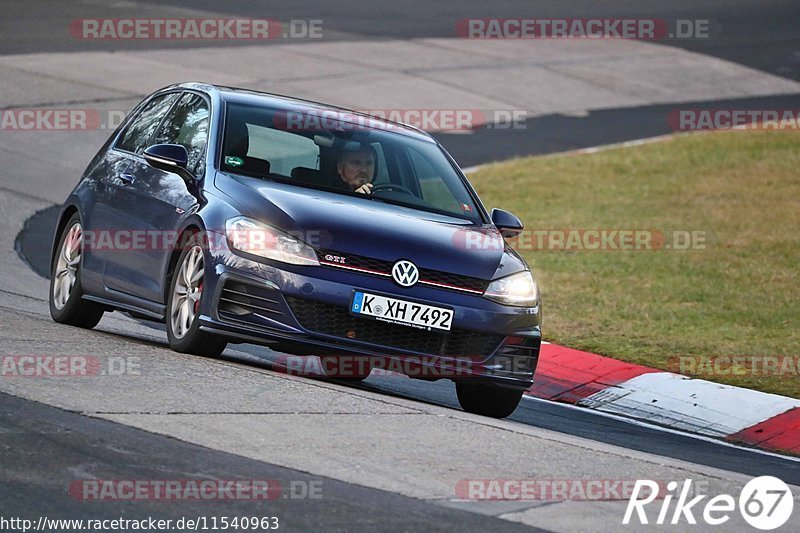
305,310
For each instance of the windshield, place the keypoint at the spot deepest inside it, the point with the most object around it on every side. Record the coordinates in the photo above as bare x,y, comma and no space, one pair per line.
307,150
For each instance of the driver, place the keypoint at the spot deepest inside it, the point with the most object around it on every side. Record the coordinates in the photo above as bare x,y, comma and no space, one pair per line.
356,169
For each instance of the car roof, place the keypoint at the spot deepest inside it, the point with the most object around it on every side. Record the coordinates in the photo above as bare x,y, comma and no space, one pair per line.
289,103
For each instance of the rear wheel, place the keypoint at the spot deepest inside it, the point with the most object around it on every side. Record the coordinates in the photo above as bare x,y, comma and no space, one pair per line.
183,305
66,303
487,400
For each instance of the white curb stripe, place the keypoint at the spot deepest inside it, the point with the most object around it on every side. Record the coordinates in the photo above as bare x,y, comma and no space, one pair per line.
689,404
673,431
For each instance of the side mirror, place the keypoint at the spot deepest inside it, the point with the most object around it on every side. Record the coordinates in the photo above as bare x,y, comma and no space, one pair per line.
508,224
169,158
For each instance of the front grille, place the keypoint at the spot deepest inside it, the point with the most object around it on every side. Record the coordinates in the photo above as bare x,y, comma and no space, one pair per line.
337,321
426,276
361,262
453,280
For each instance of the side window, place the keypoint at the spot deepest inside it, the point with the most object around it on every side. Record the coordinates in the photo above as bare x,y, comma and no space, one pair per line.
382,173
187,124
434,189
138,132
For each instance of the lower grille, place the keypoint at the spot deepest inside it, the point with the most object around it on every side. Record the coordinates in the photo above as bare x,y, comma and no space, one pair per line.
519,355
337,321
239,300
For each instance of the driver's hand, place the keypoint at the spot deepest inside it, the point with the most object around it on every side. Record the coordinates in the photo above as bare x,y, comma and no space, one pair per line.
365,189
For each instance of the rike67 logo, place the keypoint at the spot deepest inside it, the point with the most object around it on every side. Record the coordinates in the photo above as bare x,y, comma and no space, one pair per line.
766,503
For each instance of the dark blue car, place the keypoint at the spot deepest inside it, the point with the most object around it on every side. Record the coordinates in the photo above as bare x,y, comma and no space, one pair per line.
237,216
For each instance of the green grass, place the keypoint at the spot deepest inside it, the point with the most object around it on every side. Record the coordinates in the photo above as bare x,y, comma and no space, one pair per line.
738,296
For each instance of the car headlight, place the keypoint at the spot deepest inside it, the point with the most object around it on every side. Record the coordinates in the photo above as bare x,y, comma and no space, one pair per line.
518,289
253,237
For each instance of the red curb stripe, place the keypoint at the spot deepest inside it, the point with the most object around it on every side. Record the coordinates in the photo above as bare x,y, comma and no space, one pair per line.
567,375
779,433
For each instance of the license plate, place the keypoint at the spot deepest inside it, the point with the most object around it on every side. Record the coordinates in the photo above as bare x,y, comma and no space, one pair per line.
402,312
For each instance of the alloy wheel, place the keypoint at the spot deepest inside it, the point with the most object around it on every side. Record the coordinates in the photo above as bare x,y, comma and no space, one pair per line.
187,292
66,272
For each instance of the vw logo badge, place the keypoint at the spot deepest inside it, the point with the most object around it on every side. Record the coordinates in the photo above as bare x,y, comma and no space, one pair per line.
405,273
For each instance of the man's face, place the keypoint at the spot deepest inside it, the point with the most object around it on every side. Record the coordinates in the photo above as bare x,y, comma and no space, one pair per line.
357,168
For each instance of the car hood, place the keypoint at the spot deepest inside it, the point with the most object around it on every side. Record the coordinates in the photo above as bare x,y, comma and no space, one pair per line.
348,225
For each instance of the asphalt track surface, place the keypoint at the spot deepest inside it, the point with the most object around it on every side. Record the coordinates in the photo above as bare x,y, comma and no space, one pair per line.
763,35
35,477
43,447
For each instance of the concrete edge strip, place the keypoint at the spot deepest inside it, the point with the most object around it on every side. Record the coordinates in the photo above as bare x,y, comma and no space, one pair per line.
735,414
614,146
589,150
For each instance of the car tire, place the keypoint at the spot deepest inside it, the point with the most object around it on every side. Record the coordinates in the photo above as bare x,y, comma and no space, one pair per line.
330,362
67,305
487,400
184,303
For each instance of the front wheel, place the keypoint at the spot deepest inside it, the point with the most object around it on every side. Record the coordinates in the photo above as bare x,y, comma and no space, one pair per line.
183,305
487,400
67,305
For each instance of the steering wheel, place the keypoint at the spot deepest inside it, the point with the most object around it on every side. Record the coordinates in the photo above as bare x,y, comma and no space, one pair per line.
391,187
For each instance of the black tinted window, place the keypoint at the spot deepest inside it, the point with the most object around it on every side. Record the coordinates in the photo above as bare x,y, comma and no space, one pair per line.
187,124
138,133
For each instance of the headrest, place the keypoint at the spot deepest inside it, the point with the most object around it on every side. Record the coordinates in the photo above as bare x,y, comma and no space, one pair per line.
305,174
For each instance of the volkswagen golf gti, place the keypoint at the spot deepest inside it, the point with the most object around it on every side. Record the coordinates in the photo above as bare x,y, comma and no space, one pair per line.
234,216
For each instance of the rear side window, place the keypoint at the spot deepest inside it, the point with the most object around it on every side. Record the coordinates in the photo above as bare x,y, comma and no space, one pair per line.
138,132
187,124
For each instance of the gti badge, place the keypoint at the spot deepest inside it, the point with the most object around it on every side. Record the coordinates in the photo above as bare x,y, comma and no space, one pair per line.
335,259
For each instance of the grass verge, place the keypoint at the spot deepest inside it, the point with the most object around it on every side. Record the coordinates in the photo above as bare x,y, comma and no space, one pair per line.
734,197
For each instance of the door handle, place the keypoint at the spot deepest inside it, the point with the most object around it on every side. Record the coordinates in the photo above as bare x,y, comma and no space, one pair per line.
126,178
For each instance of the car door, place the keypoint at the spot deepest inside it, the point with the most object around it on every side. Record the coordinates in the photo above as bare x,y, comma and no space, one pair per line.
159,201
107,219
114,217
